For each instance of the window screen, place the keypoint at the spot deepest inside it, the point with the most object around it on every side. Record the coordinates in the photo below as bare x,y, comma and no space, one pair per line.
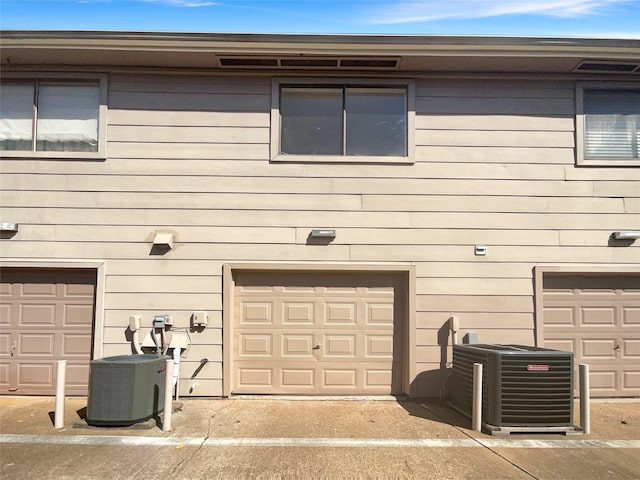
612,123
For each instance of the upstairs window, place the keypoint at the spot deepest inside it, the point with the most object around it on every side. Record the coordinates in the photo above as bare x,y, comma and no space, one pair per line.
51,118
342,122
609,125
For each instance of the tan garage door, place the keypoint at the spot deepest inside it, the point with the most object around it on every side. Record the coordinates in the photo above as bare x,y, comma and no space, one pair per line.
317,333
598,318
46,315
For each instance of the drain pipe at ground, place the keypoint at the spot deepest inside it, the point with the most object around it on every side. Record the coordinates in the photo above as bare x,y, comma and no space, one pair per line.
61,379
585,415
168,389
476,415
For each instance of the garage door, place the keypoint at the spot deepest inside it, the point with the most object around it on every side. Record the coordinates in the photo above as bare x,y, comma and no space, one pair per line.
46,315
598,318
317,333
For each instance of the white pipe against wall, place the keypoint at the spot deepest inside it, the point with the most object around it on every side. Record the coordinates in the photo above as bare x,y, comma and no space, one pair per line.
136,342
476,416
168,402
176,368
61,380
585,401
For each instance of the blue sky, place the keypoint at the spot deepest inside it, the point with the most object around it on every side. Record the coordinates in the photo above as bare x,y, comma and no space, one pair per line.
571,18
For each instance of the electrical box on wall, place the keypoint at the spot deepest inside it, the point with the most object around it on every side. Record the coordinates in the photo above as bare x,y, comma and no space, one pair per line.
200,319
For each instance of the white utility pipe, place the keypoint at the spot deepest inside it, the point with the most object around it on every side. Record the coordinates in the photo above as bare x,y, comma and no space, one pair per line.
176,368
136,342
168,402
585,401
476,417
61,379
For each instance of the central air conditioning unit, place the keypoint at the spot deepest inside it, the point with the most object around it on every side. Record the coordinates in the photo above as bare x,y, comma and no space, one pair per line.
524,388
125,389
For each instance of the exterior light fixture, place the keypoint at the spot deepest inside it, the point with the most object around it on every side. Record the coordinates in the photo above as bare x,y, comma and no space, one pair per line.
163,240
627,235
8,227
323,233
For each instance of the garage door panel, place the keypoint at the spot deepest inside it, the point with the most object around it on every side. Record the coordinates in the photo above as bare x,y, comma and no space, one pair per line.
631,348
76,345
297,346
631,316
598,318
631,379
35,375
42,315
297,377
254,377
5,344
299,313
598,349
36,344
260,345
340,313
343,346
256,312
77,315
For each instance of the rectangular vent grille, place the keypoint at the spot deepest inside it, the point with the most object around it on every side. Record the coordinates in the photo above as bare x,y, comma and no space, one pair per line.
608,67
522,386
310,63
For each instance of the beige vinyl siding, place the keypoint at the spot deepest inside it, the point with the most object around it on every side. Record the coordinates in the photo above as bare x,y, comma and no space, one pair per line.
190,155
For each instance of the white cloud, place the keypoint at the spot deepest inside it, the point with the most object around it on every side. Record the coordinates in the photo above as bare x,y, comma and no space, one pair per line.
407,11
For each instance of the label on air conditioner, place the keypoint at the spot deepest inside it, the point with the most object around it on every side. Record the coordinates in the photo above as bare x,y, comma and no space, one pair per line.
538,368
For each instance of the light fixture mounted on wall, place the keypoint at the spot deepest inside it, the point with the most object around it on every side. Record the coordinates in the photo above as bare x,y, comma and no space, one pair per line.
323,233
8,227
627,235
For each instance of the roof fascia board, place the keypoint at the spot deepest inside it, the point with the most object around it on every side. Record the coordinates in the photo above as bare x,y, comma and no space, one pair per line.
321,44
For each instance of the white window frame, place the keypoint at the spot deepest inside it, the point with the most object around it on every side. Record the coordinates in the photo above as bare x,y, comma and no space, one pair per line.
101,79
276,156
581,124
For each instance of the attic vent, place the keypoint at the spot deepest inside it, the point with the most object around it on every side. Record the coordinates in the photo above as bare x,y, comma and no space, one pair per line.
605,67
310,63
392,63
249,62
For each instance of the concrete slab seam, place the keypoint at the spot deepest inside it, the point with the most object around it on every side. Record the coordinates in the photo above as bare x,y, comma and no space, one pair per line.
314,442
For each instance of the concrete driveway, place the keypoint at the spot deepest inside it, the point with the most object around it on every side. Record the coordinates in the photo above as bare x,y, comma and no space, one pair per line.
285,438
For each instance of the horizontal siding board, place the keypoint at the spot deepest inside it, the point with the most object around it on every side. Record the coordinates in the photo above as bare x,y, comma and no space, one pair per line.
415,203
497,123
495,88
466,138
495,155
180,201
162,301
114,182
171,118
434,320
429,167
497,253
176,151
494,106
525,221
162,84
187,134
163,284
221,252
435,236
474,269
479,303
133,234
190,101
473,286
